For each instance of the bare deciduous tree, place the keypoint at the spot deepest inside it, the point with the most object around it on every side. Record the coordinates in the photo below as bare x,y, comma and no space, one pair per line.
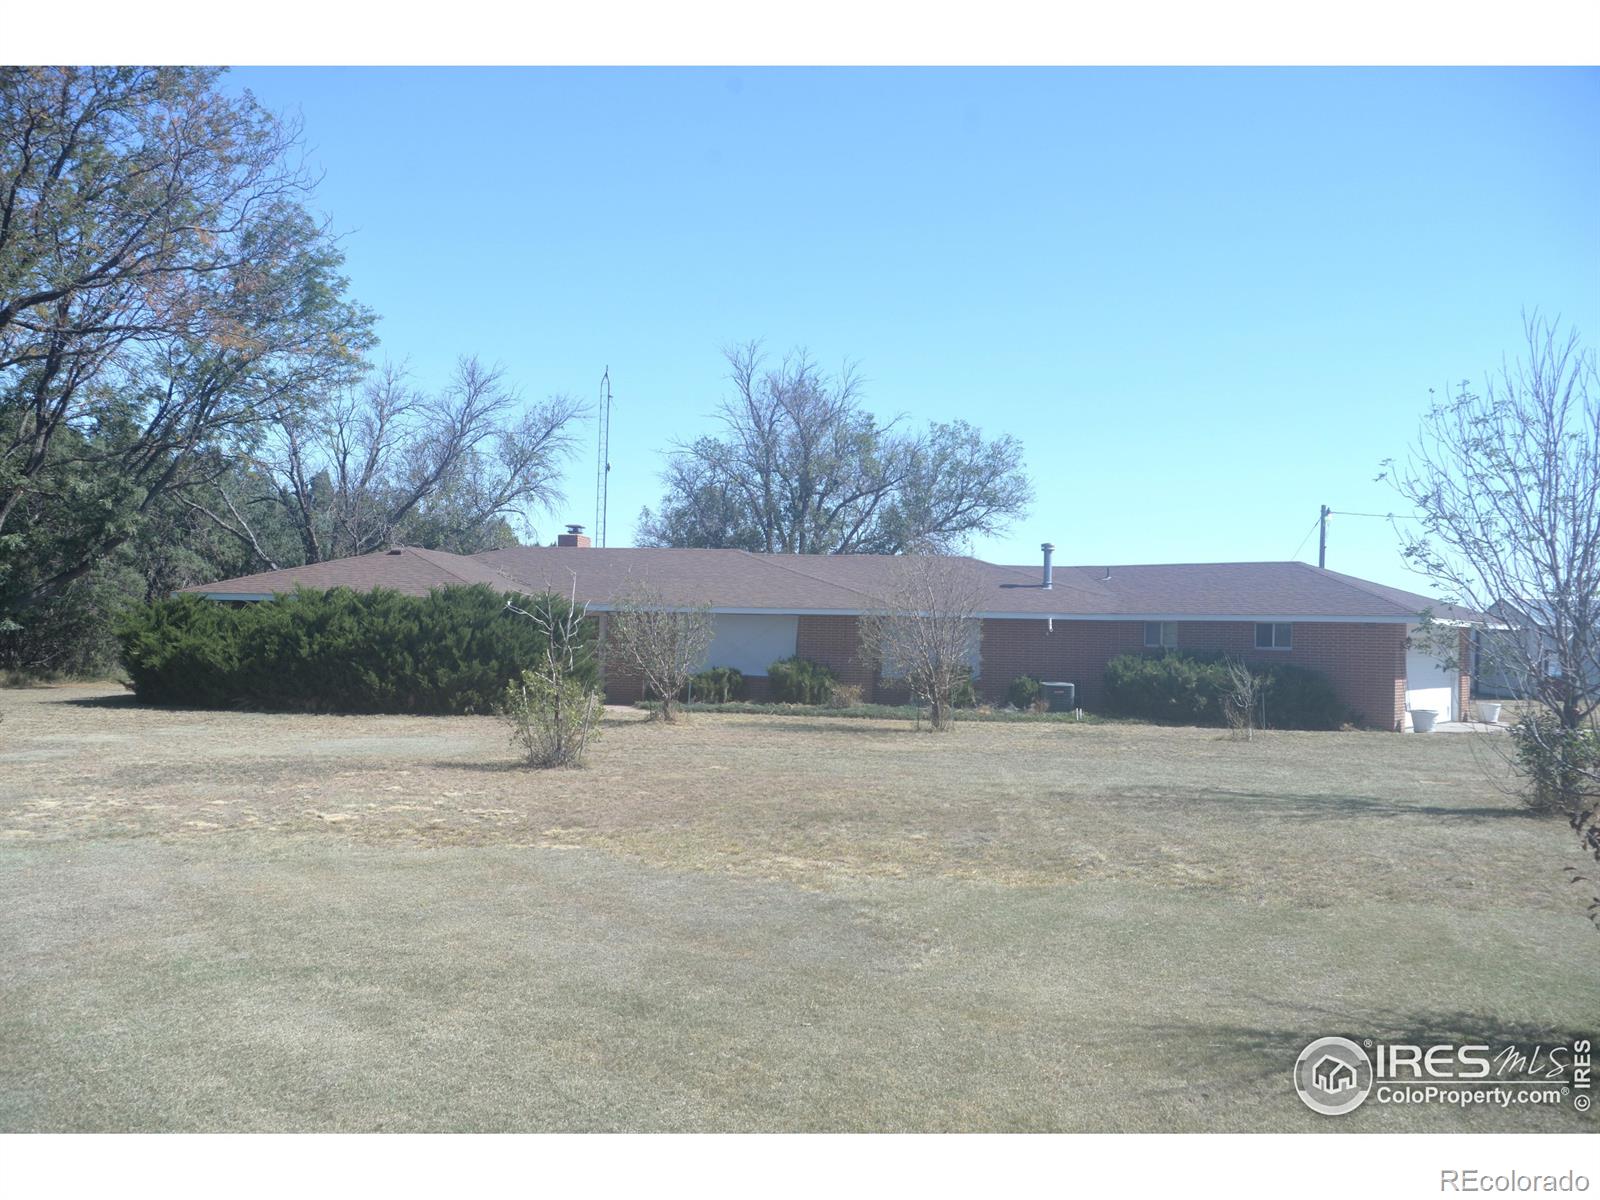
1506,488
663,643
928,630
385,458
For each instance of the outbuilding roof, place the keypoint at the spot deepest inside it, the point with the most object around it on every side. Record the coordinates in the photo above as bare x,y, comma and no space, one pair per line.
739,581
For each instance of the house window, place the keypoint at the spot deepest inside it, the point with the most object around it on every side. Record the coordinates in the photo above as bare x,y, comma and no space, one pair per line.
1274,635
1161,634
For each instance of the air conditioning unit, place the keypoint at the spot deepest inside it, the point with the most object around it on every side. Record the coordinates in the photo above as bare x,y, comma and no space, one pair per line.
1062,697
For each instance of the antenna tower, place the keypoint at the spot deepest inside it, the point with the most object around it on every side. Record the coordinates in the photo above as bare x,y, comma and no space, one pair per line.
602,470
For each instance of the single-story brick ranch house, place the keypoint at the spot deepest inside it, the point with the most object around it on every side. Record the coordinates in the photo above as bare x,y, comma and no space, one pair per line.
1052,622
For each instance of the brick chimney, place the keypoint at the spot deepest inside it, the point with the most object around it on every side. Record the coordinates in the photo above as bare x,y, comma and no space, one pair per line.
574,536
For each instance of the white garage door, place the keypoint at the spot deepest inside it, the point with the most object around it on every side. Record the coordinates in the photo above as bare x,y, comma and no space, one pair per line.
1429,684
751,643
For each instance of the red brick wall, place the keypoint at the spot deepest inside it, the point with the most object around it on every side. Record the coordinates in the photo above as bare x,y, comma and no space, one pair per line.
1074,652
1464,683
835,642
1365,662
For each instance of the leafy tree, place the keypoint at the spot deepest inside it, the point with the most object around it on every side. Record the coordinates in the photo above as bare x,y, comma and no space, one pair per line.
801,467
703,508
70,631
164,296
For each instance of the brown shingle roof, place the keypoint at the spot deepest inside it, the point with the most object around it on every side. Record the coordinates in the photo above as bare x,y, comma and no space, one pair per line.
721,578
1261,590
738,580
403,569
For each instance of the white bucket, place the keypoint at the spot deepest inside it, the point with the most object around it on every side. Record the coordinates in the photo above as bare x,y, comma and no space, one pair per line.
1422,719
1489,711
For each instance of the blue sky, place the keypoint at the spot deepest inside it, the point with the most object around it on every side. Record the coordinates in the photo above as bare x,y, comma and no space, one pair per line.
1205,300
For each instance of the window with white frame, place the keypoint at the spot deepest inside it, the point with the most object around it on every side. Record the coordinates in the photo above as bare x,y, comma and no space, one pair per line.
1274,635
1163,634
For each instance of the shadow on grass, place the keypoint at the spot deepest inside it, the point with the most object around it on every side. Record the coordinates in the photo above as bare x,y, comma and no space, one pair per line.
1330,806
129,702
125,700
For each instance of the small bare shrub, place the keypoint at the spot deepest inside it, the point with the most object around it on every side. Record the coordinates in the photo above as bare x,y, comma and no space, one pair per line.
552,720
552,709
1241,699
844,695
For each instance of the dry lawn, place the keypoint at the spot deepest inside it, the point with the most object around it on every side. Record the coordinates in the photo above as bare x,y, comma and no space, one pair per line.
259,921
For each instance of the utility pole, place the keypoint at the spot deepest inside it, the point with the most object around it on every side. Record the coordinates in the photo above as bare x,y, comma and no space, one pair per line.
1322,537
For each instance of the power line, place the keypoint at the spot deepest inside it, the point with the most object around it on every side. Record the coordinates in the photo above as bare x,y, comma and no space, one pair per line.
1322,523
1306,539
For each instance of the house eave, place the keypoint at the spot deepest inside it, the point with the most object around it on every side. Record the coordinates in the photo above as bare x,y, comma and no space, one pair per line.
995,615
1264,618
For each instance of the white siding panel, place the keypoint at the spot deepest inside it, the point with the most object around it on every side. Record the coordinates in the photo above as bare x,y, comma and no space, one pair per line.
749,642
1429,684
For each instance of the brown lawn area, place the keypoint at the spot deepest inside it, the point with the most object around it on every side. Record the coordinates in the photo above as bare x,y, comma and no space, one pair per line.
242,921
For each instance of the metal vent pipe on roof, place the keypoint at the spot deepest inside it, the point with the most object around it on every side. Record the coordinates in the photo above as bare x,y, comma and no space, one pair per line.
1049,571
